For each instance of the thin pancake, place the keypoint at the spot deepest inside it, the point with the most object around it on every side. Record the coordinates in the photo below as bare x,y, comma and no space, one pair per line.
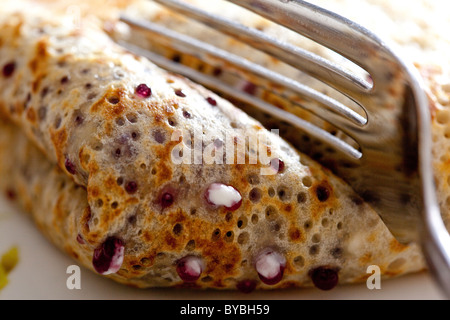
95,169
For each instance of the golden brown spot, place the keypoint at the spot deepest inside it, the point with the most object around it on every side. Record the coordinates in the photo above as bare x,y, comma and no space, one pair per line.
33,66
294,234
58,213
59,139
224,259
93,167
391,273
98,105
323,198
396,246
17,28
83,156
147,236
112,104
40,57
71,251
159,118
170,241
116,109
31,115
362,278
41,49
393,91
93,191
180,216
164,153
37,83
365,259
372,238
110,183
84,220
164,172
218,284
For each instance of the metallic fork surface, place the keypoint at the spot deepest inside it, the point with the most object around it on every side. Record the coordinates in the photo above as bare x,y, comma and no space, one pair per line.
391,168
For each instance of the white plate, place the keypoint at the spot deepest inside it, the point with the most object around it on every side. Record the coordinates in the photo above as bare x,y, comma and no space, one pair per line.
41,274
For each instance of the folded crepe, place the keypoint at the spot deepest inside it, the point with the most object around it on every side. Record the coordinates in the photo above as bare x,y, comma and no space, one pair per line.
99,146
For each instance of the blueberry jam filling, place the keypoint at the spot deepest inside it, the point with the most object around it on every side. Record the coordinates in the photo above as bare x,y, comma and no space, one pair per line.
211,101
131,187
189,268
270,266
166,200
11,194
246,286
324,278
249,88
277,165
180,93
186,114
80,239
143,91
108,257
323,193
70,167
8,69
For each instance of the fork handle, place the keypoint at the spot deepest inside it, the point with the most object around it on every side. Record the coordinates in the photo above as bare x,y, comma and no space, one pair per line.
436,248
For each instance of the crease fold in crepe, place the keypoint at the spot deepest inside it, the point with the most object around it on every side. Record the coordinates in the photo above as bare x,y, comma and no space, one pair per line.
87,143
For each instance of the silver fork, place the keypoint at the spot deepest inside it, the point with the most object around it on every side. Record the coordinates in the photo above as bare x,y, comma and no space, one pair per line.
390,165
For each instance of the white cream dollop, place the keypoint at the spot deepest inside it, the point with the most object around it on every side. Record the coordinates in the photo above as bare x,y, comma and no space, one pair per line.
222,195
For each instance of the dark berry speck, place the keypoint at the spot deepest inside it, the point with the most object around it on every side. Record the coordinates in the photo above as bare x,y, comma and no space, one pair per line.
8,69
166,200
246,286
217,71
324,278
11,194
186,114
70,167
131,187
176,58
277,165
80,239
108,257
64,80
211,101
143,91
323,193
250,88
180,93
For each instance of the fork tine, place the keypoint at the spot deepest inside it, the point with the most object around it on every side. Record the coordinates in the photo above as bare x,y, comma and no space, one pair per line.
214,83
324,70
320,25
194,47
